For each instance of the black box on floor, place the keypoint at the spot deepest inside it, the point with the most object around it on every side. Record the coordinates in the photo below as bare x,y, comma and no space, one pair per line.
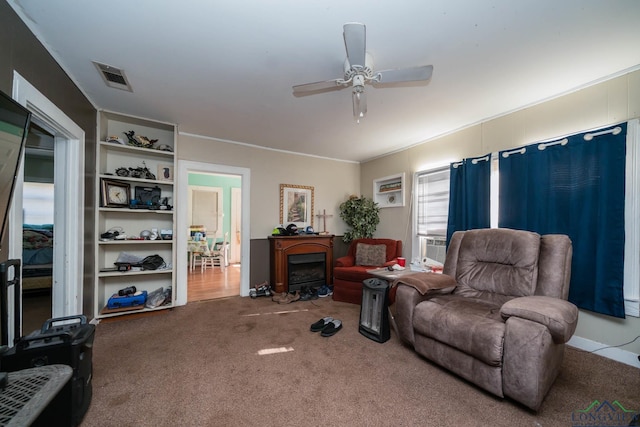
59,342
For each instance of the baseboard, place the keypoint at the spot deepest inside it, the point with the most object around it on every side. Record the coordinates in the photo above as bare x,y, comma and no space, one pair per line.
617,354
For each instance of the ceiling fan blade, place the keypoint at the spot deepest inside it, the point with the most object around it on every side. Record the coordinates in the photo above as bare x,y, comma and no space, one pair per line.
355,41
317,86
405,74
359,105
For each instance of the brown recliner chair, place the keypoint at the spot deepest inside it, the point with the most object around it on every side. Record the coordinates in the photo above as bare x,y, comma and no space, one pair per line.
506,321
351,269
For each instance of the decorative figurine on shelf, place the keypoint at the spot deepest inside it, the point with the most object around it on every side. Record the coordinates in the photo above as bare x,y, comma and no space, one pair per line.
115,139
165,147
139,140
122,172
139,172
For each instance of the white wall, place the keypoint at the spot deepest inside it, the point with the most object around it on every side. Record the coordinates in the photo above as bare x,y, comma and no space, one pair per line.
333,181
605,103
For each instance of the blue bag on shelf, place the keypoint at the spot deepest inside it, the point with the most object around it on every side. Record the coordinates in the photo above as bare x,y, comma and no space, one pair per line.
116,301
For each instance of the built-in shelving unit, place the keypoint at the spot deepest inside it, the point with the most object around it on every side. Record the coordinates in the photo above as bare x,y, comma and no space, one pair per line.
388,191
157,215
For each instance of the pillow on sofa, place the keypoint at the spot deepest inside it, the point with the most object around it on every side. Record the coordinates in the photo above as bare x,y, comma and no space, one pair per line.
371,254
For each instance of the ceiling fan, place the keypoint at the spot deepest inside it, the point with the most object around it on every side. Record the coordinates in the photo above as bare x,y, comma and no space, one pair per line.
358,70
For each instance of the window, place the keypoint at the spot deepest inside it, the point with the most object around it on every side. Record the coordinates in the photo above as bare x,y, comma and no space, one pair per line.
431,211
432,208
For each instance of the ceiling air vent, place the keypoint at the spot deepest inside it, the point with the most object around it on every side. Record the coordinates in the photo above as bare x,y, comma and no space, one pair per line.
113,77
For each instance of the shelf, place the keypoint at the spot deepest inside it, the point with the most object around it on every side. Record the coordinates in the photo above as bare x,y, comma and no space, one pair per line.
111,158
137,211
388,192
135,242
133,273
104,313
148,182
112,146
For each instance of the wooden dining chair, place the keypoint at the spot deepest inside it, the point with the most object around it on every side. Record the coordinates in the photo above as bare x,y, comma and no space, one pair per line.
215,256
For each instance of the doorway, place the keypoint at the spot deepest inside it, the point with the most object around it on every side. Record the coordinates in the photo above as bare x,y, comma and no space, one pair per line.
206,174
38,195
68,141
209,212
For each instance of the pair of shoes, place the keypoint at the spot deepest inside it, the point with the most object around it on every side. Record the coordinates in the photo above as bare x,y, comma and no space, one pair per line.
325,291
307,293
320,324
327,326
289,298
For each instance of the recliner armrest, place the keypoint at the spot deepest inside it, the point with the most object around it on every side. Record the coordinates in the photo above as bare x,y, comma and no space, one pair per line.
345,261
559,316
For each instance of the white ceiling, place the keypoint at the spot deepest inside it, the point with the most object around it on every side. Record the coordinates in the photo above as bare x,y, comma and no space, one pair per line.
224,69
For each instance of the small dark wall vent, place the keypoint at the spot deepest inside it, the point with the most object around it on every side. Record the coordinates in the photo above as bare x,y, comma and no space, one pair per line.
113,77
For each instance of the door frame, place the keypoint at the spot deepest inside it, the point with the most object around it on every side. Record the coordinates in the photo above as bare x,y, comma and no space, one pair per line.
185,167
236,223
69,139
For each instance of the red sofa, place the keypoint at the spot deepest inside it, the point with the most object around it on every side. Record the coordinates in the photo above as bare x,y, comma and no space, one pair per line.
348,277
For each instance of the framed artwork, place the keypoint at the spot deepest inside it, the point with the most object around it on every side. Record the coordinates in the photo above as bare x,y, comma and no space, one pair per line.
296,205
115,194
165,172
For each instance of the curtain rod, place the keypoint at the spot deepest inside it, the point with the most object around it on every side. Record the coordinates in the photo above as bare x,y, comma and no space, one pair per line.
475,161
544,145
589,136
517,151
481,159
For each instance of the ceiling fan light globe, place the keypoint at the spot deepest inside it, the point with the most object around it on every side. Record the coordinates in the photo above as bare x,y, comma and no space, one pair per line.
359,105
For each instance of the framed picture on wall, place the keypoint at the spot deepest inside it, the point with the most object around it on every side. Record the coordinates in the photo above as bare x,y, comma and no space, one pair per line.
296,205
165,172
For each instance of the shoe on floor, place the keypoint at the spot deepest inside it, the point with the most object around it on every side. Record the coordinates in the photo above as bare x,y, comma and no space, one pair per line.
307,294
289,298
324,291
277,297
320,324
332,328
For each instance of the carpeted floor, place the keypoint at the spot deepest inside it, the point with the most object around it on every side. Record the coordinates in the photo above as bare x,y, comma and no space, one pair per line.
198,365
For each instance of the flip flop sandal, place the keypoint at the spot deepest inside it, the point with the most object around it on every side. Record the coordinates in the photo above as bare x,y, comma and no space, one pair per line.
320,324
332,328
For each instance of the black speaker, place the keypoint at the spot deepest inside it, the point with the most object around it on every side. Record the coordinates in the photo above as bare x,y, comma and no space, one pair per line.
374,311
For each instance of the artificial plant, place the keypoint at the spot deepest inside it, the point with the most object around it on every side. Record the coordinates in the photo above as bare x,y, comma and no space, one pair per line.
362,215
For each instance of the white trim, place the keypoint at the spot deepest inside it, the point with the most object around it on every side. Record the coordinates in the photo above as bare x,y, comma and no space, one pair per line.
182,226
69,178
614,353
632,222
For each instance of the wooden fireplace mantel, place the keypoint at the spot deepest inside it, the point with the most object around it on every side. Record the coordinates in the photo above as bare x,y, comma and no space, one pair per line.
280,247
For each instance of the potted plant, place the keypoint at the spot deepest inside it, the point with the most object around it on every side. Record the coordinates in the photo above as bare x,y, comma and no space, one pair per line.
362,215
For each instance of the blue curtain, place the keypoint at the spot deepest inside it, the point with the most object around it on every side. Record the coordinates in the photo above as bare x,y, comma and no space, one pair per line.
576,188
469,195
